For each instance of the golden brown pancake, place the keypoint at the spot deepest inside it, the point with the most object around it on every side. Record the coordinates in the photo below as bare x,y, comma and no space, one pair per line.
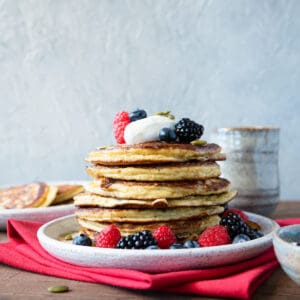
66,192
52,191
160,172
154,153
156,190
29,195
182,229
146,215
93,200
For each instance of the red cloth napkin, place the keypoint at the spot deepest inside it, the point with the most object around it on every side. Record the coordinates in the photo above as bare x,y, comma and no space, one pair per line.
239,281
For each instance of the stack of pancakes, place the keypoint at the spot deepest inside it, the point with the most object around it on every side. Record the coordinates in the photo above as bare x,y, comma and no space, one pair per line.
142,186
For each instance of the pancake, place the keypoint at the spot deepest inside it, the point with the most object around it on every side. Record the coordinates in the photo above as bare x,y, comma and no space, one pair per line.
156,190
160,172
92,200
49,200
29,195
146,215
182,229
154,153
66,192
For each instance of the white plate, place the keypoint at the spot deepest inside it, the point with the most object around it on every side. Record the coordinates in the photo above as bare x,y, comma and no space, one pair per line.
39,214
150,260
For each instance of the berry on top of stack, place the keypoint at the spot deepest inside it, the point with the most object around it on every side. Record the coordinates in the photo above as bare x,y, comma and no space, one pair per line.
159,187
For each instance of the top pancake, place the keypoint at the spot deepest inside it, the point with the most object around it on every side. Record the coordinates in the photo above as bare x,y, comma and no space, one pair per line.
29,195
153,153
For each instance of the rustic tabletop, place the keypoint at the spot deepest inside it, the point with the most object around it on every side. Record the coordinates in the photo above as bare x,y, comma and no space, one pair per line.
18,284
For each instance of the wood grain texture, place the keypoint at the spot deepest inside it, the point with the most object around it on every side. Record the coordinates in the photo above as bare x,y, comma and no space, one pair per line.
17,284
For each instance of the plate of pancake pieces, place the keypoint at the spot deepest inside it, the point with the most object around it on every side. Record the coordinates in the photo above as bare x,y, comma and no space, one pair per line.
38,201
156,203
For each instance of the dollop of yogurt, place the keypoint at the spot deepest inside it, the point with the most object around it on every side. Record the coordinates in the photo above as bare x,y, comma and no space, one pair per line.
147,129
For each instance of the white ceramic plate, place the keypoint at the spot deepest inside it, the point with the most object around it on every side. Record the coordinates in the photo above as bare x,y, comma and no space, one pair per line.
39,214
150,260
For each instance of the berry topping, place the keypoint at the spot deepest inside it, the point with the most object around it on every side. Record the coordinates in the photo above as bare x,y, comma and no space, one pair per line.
120,122
176,246
167,135
188,130
240,238
235,225
82,240
139,240
236,211
108,237
191,244
255,234
147,129
137,115
152,247
214,236
164,236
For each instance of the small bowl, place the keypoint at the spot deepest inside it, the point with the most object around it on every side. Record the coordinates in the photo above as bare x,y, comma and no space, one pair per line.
287,253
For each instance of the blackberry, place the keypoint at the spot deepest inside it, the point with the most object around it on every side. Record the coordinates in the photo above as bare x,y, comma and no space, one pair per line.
188,130
139,240
235,225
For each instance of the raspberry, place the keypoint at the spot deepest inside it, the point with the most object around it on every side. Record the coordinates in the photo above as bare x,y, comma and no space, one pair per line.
108,237
120,122
214,236
235,211
164,236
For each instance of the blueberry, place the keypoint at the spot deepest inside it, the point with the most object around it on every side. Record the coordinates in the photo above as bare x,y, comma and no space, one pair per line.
176,246
255,234
191,244
82,240
167,135
152,247
240,238
137,115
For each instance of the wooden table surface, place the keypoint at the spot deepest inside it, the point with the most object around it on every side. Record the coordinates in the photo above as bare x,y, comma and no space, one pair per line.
18,284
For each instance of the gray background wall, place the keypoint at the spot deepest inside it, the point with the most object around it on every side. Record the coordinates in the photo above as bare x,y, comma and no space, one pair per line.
66,67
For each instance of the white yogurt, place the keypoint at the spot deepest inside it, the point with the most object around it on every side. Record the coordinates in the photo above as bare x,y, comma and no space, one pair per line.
147,129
